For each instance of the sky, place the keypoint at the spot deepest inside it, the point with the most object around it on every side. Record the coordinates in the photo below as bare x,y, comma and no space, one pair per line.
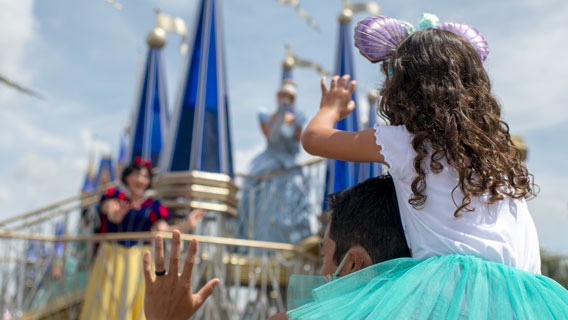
85,57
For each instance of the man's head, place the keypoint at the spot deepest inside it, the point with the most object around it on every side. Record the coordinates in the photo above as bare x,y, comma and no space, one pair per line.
365,225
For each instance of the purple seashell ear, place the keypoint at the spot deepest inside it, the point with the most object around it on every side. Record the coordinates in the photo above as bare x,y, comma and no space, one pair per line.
469,33
378,37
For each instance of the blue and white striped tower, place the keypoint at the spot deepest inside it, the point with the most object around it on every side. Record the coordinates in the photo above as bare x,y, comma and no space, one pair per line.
150,119
88,183
106,173
287,67
341,175
200,137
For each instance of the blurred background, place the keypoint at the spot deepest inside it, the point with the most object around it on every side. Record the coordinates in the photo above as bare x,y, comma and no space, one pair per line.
70,85
84,59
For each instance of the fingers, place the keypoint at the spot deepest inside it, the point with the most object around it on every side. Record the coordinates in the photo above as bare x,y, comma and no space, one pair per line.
323,85
198,214
159,248
351,87
147,260
174,254
351,106
205,292
333,84
343,82
112,206
189,262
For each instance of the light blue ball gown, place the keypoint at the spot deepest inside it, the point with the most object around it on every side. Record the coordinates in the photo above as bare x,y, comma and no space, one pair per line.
276,209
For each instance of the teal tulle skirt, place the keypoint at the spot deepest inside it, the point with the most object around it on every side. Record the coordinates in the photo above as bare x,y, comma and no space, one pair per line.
445,287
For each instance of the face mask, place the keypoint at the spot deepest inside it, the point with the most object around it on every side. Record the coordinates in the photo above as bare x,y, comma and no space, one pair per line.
301,287
332,276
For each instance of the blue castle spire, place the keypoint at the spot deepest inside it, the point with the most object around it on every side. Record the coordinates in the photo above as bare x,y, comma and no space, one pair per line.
200,136
105,174
122,149
88,183
150,119
341,175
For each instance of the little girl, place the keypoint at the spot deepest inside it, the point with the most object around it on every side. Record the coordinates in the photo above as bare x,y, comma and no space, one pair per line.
460,185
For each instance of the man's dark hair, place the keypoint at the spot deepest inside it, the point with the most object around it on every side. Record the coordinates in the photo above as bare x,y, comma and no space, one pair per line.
367,214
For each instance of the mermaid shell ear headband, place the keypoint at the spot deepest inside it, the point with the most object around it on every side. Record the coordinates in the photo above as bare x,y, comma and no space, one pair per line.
378,37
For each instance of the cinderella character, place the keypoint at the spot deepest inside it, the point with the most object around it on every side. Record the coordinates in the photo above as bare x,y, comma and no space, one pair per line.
274,206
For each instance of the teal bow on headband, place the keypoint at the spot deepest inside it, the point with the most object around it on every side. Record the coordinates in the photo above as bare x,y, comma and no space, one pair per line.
428,20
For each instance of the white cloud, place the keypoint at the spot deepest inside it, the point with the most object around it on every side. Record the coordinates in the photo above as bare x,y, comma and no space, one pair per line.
17,18
19,130
88,141
45,151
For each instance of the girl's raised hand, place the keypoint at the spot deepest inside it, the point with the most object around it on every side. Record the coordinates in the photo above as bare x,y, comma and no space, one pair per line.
338,98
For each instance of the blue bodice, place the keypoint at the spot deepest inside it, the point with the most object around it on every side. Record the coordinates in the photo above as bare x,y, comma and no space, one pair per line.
282,146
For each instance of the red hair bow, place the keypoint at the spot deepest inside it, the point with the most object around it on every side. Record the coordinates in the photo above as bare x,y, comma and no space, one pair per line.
146,163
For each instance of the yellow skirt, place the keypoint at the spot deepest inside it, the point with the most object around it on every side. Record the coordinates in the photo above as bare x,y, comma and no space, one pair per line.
116,285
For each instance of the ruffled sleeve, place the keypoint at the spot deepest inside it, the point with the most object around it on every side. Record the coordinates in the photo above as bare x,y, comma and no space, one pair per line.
159,211
113,193
300,119
263,116
396,148
110,193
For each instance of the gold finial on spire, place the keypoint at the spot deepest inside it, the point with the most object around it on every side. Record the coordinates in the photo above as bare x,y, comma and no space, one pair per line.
520,144
156,38
91,165
289,61
373,96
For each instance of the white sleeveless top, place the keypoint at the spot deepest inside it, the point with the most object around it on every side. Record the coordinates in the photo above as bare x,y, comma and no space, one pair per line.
502,232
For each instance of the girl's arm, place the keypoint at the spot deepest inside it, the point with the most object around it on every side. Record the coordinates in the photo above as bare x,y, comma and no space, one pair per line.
321,139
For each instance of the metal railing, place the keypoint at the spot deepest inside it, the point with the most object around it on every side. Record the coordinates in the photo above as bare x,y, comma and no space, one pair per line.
251,285
283,205
47,257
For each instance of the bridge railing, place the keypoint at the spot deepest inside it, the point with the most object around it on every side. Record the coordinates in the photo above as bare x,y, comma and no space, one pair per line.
46,256
283,205
252,285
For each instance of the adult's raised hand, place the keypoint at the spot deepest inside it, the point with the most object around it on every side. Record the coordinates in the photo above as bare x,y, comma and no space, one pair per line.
168,294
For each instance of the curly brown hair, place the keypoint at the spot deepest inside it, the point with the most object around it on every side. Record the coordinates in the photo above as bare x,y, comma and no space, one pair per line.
438,89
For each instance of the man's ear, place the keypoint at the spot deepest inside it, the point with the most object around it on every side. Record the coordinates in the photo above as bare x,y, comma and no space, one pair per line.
357,259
